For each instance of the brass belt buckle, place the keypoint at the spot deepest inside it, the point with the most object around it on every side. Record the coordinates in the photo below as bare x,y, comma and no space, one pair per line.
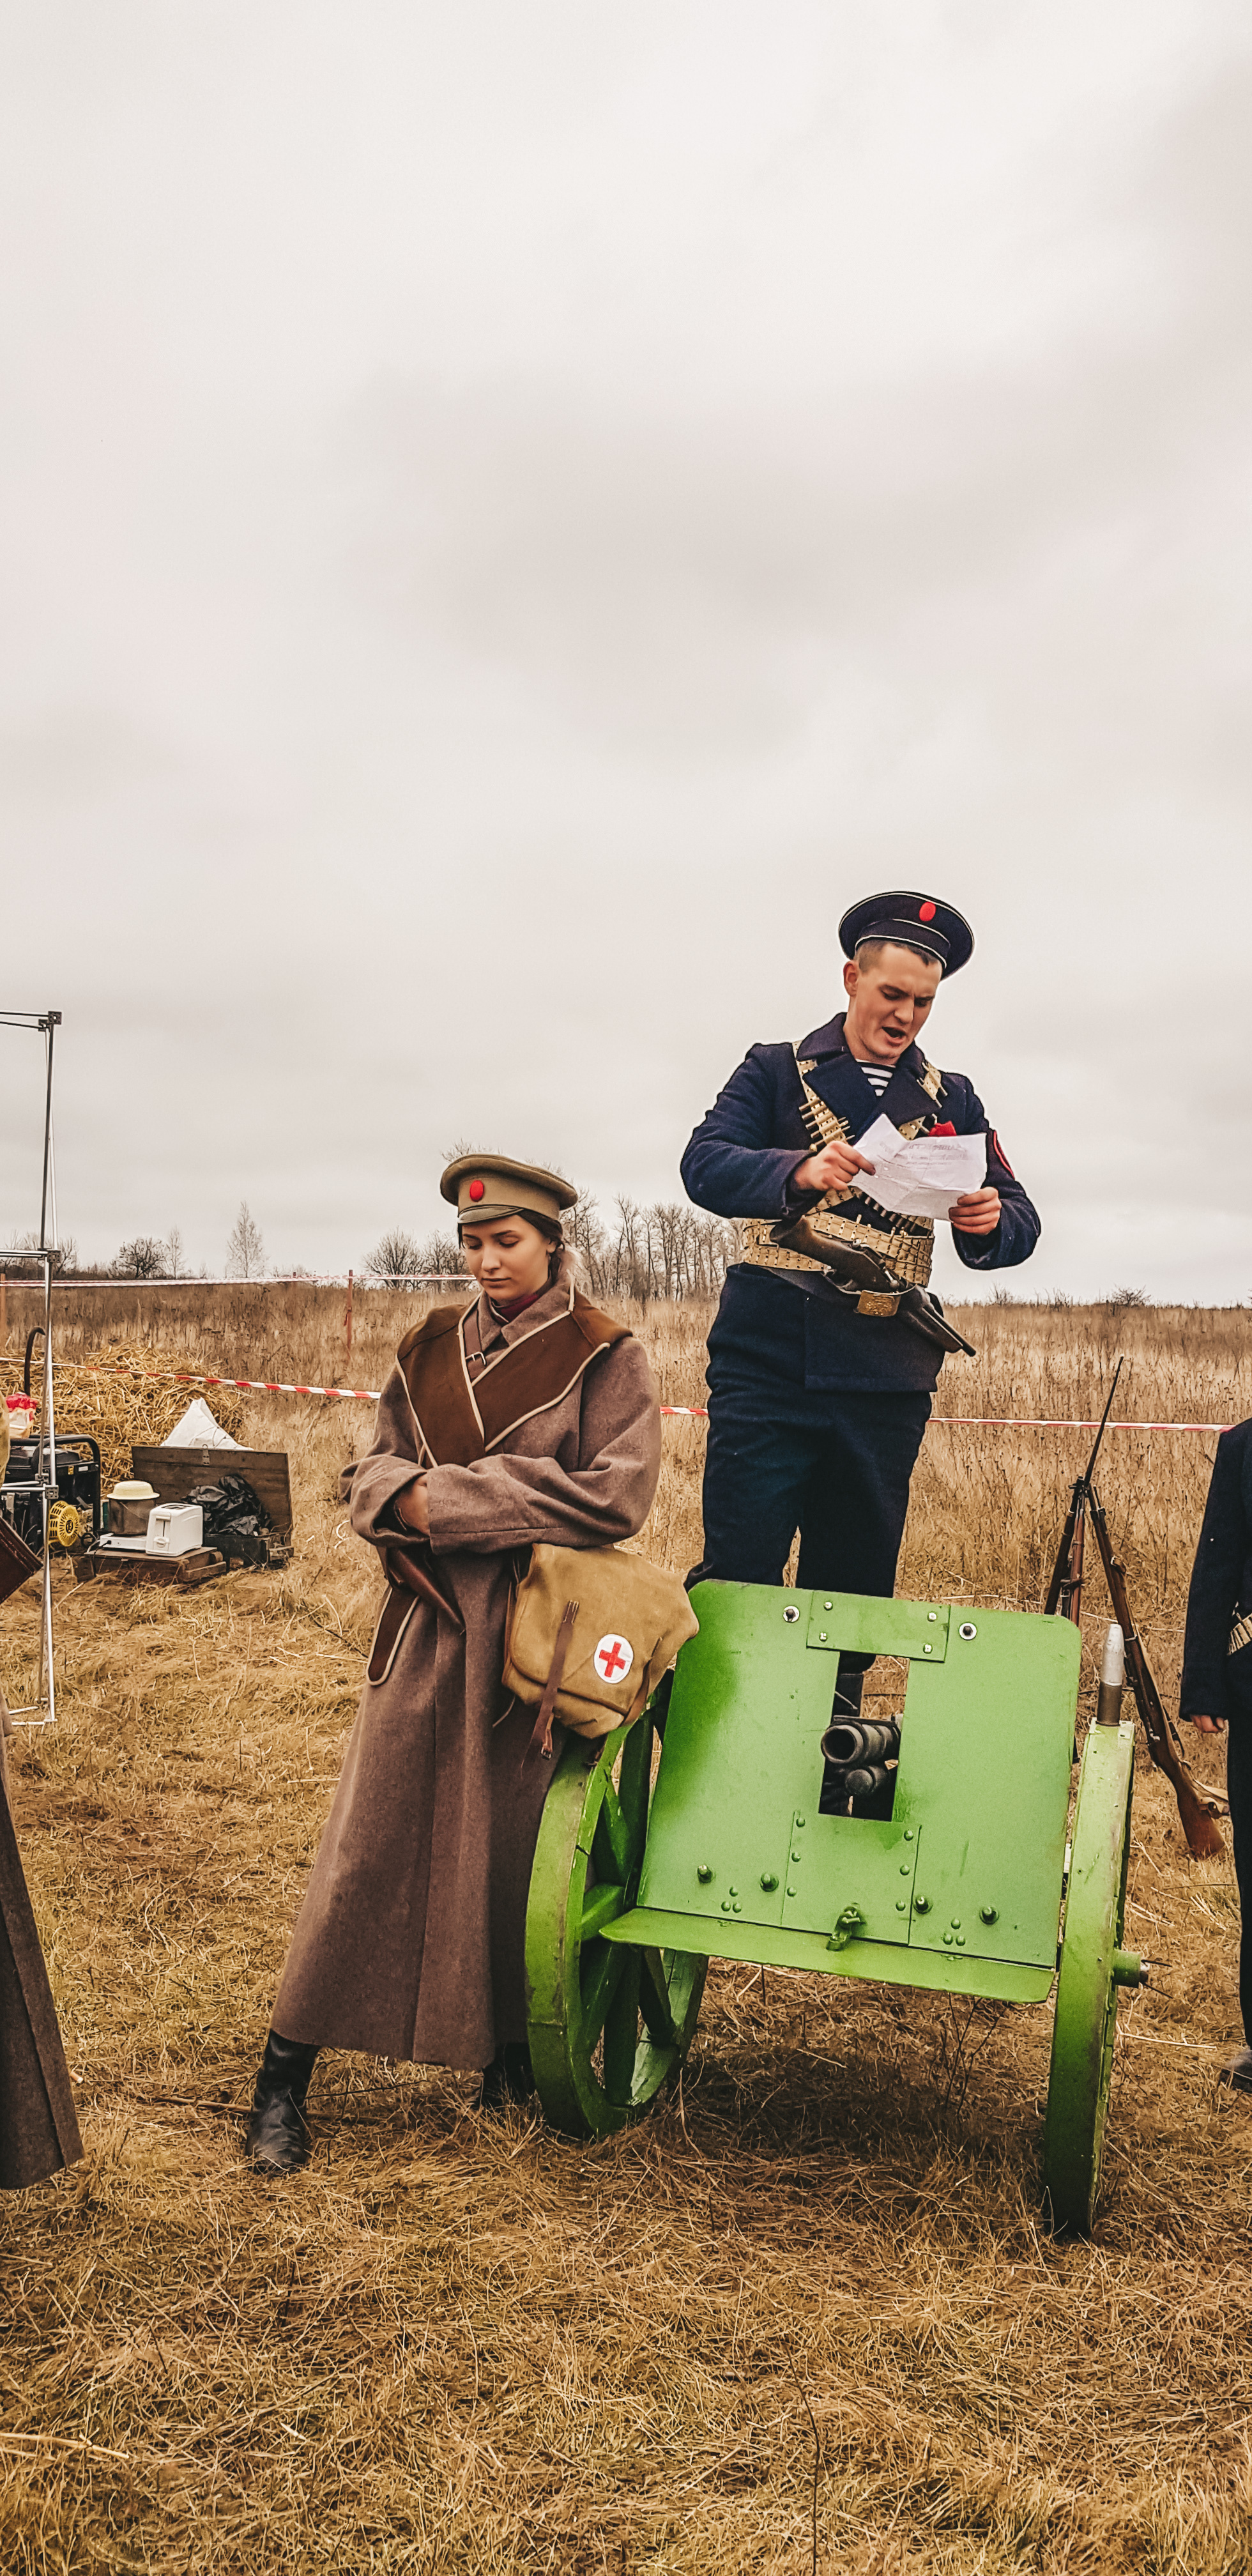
870,1302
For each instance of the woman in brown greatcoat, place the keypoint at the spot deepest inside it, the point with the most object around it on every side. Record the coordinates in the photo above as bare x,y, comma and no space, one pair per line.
526,1416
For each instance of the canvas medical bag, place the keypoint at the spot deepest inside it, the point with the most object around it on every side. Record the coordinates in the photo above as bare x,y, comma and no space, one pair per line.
590,1633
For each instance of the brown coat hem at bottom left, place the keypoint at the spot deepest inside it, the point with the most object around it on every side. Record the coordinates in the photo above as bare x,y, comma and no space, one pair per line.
38,2123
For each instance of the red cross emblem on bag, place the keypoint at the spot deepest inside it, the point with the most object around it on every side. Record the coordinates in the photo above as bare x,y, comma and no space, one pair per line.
613,1658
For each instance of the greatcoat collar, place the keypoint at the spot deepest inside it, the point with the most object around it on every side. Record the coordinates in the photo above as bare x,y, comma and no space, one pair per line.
530,1366
556,1300
838,1079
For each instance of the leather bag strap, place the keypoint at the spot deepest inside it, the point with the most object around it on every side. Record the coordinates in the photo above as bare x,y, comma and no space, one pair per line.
541,1740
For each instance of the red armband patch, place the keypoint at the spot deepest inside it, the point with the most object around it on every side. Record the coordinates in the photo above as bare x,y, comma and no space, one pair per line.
996,1147
947,1129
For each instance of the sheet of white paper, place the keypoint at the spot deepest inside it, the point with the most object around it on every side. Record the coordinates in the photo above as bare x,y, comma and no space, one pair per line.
924,1176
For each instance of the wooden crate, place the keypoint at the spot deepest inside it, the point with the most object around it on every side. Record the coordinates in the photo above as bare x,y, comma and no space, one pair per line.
200,1565
177,1472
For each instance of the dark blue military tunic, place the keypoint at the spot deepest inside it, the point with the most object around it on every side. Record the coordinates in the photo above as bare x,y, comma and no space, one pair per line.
793,1327
816,1413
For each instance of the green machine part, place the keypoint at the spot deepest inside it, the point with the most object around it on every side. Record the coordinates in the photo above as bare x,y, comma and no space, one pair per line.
960,1890
728,1857
607,2026
1093,1968
643,1872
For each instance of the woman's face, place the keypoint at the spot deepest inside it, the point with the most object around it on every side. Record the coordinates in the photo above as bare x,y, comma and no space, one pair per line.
508,1259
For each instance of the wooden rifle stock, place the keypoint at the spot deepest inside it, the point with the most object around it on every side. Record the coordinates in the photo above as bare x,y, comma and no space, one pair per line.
1065,1588
1197,1813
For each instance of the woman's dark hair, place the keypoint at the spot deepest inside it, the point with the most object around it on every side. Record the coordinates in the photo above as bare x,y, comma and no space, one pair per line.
549,1225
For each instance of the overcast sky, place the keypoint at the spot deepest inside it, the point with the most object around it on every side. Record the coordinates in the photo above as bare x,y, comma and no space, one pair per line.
514,516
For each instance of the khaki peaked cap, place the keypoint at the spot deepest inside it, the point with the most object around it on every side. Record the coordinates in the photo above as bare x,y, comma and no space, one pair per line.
485,1187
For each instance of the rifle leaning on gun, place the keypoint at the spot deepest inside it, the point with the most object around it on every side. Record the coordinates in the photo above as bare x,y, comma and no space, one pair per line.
1198,1812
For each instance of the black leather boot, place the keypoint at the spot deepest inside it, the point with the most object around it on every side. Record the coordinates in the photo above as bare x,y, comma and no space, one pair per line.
509,2078
278,2139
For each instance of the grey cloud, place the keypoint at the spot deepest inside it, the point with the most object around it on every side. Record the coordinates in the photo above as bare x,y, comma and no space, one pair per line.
75,752
468,648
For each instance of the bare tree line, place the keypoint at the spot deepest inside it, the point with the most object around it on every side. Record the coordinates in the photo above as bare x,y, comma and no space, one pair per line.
151,1256
664,1250
667,1249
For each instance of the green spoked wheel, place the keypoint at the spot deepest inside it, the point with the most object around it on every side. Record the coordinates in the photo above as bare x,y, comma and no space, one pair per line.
609,2024
1093,1966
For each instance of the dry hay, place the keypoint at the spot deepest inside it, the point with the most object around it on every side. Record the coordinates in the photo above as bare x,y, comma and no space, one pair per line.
810,2294
124,1395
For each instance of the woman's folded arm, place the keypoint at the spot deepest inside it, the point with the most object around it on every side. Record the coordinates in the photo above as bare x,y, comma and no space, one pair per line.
510,1501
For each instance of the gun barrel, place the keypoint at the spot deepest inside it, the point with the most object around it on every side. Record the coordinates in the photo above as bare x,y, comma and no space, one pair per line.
1095,1446
862,1740
865,1779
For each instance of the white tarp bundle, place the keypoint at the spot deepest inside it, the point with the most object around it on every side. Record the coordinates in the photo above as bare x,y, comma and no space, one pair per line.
198,1430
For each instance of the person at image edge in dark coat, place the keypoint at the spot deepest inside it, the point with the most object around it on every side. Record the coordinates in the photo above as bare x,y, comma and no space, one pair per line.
1216,1691
821,1369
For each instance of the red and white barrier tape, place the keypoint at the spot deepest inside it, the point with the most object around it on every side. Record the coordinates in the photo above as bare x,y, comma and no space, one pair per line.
1005,1422
1026,1422
184,1377
688,1412
450,1279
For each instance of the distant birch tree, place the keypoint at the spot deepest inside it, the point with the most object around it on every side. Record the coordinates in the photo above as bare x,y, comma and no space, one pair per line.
245,1251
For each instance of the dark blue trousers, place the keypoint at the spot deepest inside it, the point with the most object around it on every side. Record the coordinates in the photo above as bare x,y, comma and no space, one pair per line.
841,1478
836,1467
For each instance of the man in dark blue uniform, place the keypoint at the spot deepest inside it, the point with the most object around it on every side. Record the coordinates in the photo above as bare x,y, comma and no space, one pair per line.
827,1345
1217,1675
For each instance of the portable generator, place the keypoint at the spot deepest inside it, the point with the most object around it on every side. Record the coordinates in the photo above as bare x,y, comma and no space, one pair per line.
74,1516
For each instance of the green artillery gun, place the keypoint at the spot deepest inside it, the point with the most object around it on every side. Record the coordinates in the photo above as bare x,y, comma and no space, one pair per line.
646,1870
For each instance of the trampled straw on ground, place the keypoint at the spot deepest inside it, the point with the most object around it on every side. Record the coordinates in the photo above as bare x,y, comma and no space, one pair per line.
451,2345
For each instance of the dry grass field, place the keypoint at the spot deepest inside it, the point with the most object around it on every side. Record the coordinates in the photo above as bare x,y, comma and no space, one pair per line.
806,2318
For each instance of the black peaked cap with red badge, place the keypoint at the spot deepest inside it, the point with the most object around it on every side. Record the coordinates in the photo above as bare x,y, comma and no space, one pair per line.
914,921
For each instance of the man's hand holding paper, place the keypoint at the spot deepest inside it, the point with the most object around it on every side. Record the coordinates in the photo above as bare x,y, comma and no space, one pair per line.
934,1176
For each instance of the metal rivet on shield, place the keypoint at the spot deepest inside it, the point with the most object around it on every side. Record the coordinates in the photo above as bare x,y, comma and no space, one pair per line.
967,1629
791,1614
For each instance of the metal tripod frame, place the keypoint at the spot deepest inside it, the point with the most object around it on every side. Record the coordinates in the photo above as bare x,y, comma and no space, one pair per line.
42,1710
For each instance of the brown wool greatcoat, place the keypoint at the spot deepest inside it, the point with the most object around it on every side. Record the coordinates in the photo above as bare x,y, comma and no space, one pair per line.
409,1942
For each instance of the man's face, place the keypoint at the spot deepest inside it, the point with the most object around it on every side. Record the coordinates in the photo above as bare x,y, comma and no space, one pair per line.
889,999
